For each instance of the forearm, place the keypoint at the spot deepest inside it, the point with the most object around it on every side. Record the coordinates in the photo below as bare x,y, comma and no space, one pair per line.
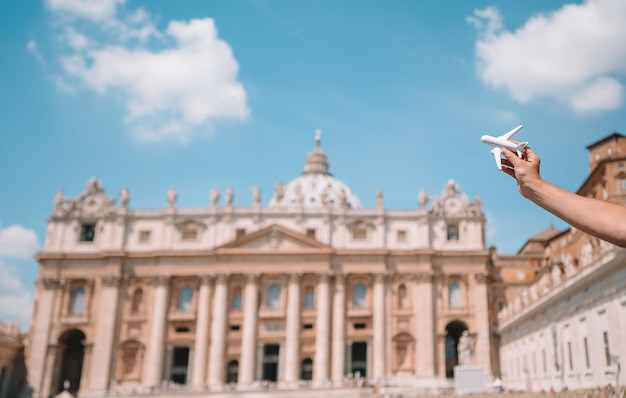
600,218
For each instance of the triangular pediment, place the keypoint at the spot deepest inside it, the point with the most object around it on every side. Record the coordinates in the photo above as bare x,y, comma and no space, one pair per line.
275,238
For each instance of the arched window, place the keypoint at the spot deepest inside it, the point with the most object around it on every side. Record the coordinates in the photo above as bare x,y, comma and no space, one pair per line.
236,298
185,298
77,305
500,306
307,369
454,295
232,372
135,306
309,297
273,296
358,296
402,297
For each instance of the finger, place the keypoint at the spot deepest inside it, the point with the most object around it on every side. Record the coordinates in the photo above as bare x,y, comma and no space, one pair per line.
506,163
531,156
509,171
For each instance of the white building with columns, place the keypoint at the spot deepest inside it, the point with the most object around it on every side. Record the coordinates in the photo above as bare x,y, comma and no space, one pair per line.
310,289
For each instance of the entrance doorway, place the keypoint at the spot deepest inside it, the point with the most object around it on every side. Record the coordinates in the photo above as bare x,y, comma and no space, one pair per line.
180,364
453,333
72,350
270,362
358,359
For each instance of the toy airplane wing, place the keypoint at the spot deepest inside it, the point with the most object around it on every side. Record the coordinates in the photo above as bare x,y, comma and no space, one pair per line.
511,133
496,154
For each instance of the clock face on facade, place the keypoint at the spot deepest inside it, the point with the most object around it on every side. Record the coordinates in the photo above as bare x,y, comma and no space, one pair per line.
92,203
452,205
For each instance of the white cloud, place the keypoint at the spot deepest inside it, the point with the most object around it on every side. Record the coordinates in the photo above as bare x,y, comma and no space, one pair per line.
32,48
95,10
173,84
17,241
16,301
75,39
572,55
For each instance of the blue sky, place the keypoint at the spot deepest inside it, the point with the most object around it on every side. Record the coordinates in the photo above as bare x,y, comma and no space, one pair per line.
194,95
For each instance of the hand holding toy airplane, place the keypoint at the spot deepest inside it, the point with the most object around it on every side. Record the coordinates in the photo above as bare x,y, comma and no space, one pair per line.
503,141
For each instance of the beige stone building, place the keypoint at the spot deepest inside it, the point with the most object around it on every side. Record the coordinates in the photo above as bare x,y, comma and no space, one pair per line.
565,324
12,376
310,289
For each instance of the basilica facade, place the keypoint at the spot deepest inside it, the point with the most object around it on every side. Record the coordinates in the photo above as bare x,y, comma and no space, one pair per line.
307,289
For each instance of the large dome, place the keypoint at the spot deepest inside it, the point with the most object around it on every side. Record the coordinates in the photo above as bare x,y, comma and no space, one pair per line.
315,188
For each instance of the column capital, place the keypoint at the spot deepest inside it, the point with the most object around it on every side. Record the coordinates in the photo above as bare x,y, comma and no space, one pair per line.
159,280
480,277
222,278
424,277
380,277
50,283
324,276
295,276
253,277
110,281
340,279
205,279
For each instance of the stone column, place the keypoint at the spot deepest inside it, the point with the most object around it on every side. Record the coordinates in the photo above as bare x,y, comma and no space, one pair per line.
379,326
483,341
218,333
153,365
49,291
106,326
248,338
198,371
424,326
292,341
339,330
322,334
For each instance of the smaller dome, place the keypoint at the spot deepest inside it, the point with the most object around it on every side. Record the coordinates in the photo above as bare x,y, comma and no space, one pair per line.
316,161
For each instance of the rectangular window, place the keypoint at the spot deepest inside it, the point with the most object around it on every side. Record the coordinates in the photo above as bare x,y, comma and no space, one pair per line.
182,329
569,353
307,326
309,298
235,327
237,300
401,235
273,326
586,352
359,326
607,350
453,232
240,232
359,234
144,236
545,363
189,234
310,233
87,232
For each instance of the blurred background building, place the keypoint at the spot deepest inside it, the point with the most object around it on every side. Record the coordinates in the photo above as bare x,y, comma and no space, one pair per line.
12,370
565,322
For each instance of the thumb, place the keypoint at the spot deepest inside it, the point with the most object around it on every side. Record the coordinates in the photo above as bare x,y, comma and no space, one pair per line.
511,157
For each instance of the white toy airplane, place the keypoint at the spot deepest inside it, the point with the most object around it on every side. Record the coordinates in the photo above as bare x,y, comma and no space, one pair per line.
503,141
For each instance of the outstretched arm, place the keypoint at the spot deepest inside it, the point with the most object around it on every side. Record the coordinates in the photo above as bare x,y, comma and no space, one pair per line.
600,218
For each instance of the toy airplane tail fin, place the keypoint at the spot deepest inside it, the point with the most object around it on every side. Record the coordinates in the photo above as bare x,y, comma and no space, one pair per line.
521,148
